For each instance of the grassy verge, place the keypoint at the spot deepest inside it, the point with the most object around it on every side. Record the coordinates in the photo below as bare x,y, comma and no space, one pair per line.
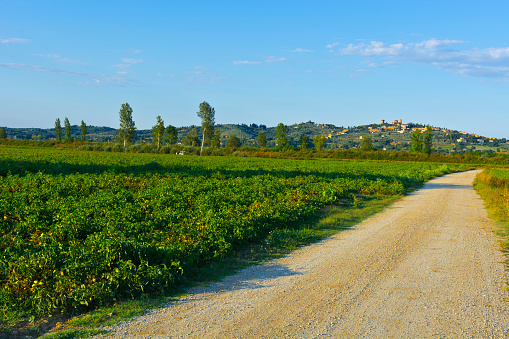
493,187
280,241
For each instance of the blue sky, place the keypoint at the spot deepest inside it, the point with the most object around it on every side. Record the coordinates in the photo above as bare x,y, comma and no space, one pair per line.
443,63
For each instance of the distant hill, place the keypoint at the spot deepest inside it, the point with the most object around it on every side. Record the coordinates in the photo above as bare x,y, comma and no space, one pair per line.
387,136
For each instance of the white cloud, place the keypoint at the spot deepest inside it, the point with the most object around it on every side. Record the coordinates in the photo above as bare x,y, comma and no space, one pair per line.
245,62
131,61
128,62
301,50
14,41
275,59
489,62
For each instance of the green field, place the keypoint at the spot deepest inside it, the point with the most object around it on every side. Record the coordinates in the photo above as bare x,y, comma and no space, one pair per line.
83,229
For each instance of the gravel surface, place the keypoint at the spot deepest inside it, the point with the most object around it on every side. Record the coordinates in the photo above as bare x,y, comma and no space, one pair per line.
428,266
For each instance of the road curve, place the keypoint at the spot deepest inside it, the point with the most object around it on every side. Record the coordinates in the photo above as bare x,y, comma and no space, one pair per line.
428,266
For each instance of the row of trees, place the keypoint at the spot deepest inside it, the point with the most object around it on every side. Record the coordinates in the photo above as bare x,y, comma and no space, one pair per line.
126,134
169,134
210,137
67,130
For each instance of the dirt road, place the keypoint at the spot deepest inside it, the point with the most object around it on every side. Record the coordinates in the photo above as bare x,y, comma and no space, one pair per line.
428,266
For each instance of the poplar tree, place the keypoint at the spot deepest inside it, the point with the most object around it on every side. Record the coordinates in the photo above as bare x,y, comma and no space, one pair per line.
282,134
427,142
261,139
3,134
416,139
192,138
207,115
216,140
67,126
83,131
58,130
319,141
170,135
367,143
158,131
303,141
127,132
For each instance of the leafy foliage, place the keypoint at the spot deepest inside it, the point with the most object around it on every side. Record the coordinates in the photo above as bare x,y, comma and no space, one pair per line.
427,142
303,141
81,229
261,139
67,128
158,131
170,135
367,143
83,131
207,114
58,130
233,142
416,138
282,135
127,131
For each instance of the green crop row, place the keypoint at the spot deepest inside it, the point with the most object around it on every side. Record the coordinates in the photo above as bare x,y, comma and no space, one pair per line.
82,229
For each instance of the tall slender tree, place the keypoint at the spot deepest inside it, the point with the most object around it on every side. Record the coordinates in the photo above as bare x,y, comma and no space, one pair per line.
216,140
303,141
191,138
3,134
83,131
170,135
127,132
416,139
261,139
367,143
58,130
319,141
282,135
67,126
158,132
207,115
427,141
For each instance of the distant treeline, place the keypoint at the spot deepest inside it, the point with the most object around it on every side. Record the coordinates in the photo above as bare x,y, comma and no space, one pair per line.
289,152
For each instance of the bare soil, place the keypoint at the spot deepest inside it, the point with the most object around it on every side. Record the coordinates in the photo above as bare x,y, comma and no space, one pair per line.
428,266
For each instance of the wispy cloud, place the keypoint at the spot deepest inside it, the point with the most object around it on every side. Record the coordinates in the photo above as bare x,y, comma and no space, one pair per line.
93,79
58,58
383,64
334,44
40,69
488,62
111,80
245,62
272,59
301,50
14,41
128,62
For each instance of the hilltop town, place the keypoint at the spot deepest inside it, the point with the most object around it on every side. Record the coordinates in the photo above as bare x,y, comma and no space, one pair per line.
387,136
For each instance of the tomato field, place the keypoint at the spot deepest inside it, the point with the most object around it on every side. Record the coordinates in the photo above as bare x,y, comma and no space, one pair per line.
80,229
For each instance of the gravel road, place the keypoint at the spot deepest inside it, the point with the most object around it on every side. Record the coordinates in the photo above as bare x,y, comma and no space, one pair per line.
428,266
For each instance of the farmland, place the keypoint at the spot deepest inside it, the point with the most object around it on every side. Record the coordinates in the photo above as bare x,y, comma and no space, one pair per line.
83,229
